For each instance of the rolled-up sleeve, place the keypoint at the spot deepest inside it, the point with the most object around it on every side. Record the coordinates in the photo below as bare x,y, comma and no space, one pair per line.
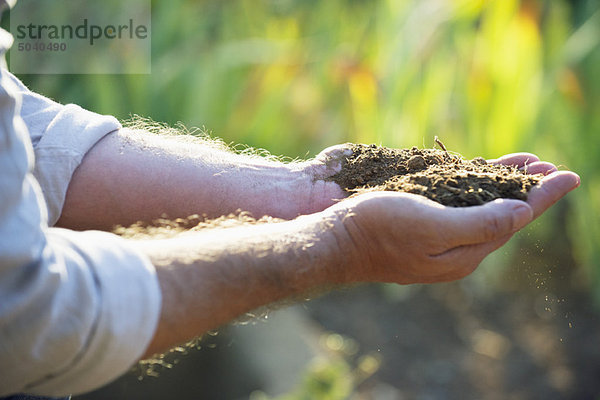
61,135
77,309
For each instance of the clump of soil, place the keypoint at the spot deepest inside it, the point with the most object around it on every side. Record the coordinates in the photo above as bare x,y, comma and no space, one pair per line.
439,175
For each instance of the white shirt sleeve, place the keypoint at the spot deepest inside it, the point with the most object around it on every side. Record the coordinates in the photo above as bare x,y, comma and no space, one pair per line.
61,135
77,309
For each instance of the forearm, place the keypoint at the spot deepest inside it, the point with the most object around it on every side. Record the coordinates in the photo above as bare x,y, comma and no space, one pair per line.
138,176
210,277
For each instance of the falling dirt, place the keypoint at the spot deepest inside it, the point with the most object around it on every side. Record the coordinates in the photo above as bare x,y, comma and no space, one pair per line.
439,175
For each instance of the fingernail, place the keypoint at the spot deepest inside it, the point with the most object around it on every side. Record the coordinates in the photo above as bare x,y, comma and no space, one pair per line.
577,180
522,215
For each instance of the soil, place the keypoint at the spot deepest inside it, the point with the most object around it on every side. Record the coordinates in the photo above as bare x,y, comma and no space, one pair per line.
439,175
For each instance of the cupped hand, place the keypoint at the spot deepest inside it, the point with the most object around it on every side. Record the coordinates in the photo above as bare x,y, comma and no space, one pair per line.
406,238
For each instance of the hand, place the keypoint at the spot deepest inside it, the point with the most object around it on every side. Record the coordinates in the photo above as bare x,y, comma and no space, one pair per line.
405,238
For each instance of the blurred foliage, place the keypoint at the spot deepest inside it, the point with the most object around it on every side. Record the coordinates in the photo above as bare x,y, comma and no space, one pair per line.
488,77
325,379
334,376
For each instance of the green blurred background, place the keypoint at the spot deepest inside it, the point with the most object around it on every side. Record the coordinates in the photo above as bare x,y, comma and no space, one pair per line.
294,76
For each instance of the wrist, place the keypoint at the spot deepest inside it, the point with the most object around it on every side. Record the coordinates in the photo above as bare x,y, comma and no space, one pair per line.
311,190
330,251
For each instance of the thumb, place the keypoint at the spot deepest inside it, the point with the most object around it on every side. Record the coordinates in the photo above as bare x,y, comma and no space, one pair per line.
486,223
329,161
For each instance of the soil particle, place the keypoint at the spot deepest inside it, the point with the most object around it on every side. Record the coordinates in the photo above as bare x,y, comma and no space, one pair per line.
439,175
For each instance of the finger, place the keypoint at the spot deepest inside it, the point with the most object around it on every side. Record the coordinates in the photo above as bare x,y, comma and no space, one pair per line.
517,159
550,190
337,151
539,167
481,224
